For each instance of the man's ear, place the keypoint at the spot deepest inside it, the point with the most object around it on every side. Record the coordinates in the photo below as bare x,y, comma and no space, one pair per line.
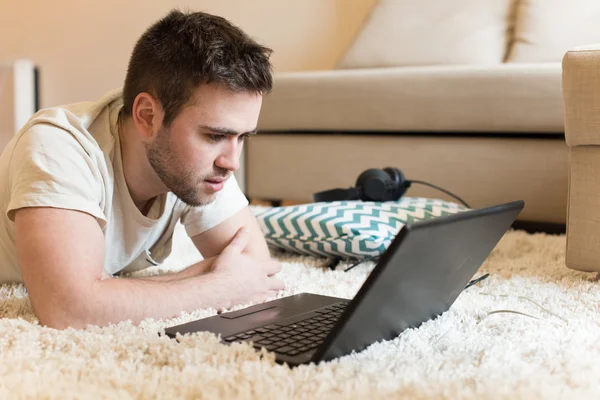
147,114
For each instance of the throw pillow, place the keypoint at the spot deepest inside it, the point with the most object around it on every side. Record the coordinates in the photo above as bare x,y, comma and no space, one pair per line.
546,29
345,229
431,32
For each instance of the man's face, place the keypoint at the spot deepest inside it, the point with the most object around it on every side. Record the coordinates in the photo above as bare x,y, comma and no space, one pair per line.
202,147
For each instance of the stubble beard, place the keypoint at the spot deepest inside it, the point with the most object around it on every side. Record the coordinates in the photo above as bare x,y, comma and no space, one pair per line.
168,166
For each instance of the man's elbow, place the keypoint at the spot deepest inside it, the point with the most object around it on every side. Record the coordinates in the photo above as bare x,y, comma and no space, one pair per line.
62,319
59,323
69,313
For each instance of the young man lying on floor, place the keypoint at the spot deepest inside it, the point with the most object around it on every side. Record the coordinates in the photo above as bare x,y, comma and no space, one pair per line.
91,190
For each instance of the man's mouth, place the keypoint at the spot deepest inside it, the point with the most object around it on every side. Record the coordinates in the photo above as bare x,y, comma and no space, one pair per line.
215,184
214,180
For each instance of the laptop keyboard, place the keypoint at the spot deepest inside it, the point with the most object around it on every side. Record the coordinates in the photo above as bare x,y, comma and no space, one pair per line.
295,338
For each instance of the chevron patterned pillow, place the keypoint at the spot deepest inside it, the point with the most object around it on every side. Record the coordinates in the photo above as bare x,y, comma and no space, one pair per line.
345,229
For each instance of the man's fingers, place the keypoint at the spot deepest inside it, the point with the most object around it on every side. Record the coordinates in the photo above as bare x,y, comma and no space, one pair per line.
272,267
272,294
276,284
239,241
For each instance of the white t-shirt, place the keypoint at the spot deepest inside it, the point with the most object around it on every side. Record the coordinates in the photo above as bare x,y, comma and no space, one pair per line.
69,157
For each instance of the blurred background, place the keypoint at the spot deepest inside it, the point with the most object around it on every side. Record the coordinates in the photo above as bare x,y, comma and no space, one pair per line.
82,47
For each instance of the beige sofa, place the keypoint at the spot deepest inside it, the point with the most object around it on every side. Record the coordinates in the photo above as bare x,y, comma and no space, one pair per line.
465,94
581,86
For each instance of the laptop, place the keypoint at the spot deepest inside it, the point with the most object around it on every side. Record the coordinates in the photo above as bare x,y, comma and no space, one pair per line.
418,277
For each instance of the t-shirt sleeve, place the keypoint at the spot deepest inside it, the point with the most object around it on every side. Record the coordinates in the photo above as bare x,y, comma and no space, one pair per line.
228,201
50,168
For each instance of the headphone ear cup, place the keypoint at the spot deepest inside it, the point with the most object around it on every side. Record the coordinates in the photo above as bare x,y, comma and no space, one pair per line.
395,174
399,180
365,176
376,185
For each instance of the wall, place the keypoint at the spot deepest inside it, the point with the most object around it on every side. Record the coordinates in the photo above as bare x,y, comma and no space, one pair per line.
82,47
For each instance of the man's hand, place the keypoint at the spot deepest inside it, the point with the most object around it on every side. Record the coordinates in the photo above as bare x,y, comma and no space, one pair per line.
213,241
246,278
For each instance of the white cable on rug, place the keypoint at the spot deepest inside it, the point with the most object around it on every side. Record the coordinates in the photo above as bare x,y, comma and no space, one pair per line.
522,313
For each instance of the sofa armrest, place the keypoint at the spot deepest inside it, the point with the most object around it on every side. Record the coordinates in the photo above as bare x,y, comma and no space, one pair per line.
581,95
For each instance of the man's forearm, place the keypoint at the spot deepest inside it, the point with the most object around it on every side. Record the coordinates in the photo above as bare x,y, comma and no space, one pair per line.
114,300
199,268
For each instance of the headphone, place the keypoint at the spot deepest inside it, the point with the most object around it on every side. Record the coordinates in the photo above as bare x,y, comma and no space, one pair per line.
373,184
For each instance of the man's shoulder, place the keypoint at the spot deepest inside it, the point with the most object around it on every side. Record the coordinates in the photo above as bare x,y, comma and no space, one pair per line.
75,116
85,124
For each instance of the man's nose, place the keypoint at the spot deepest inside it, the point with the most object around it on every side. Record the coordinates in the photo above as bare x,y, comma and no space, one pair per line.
230,158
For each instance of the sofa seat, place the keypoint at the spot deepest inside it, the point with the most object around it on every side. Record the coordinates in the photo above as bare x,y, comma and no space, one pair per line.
514,98
482,170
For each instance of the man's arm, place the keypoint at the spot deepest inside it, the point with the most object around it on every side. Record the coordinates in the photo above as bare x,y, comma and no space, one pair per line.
202,267
61,256
212,242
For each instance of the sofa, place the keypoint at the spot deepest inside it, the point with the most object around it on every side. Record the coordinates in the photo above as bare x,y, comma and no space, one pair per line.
463,94
581,88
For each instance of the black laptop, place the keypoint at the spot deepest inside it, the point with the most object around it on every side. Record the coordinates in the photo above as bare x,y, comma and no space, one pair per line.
421,274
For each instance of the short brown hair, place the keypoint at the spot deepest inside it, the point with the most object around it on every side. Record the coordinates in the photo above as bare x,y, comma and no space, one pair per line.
183,50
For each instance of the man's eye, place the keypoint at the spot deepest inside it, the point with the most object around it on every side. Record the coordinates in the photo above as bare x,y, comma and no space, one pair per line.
244,137
216,138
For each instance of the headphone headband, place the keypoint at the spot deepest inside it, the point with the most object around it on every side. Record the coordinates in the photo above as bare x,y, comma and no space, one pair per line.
371,185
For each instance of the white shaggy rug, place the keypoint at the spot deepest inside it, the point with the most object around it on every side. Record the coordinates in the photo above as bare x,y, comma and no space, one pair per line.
476,350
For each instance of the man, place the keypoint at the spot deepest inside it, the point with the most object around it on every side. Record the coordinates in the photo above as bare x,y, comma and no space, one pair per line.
92,190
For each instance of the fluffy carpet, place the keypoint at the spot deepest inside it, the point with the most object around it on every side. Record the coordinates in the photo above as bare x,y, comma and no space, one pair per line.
531,330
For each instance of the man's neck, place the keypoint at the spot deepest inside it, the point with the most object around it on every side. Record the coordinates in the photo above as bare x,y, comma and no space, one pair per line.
137,171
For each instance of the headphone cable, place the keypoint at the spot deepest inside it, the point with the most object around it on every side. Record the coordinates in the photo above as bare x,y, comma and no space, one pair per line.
409,182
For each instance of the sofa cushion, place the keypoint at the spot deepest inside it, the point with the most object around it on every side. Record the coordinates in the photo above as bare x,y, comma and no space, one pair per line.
430,32
346,229
546,29
501,98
